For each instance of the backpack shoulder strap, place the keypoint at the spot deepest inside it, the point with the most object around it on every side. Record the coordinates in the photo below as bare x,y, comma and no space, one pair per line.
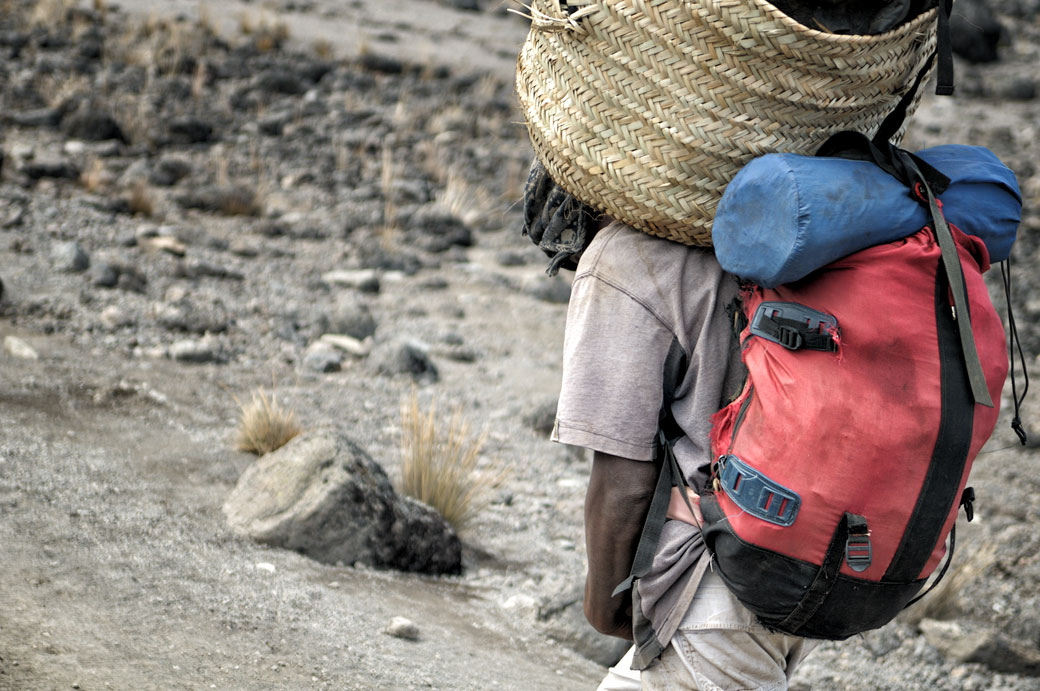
668,431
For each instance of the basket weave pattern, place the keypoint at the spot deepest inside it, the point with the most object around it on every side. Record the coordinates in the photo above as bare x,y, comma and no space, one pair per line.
645,109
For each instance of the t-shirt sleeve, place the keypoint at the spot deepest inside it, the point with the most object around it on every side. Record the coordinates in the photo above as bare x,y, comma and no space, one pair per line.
613,368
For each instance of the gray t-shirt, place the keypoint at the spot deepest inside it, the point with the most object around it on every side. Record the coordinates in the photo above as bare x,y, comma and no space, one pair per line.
633,295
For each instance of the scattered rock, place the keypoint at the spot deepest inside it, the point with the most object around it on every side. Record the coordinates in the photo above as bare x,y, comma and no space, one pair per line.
200,351
404,356
280,82
350,316
168,171
16,347
196,268
70,257
188,130
399,627
50,167
975,31
322,357
969,643
114,317
323,496
184,315
364,280
164,243
104,275
348,344
40,117
381,63
92,124
437,230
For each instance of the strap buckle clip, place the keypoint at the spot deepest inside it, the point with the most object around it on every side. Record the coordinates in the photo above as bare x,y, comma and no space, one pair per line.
858,552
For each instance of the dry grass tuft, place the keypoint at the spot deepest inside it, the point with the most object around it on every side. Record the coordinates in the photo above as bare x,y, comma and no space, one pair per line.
94,177
322,49
141,200
439,465
51,13
264,424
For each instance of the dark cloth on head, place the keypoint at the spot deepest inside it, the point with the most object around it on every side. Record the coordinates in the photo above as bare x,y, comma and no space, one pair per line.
860,17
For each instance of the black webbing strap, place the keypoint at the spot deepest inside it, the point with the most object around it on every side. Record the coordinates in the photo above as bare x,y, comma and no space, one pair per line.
942,571
670,474
944,48
955,275
827,575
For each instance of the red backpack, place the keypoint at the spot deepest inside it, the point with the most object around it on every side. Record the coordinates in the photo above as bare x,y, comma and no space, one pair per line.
840,468
872,385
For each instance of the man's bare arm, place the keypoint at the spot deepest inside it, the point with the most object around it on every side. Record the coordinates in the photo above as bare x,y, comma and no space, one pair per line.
616,503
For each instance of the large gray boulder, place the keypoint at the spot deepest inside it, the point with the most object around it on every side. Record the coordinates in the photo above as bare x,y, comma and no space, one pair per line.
323,496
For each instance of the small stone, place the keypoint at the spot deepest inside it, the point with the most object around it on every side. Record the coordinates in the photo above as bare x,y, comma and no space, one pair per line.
321,357
165,243
18,348
92,125
50,167
265,566
104,275
113,317
364,280
350,316
195,351
70,257
169,171
404,356
348,344
402,628
189,130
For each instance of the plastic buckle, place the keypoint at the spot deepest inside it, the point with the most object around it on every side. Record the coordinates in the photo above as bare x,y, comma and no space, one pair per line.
789,338
858,552
755,493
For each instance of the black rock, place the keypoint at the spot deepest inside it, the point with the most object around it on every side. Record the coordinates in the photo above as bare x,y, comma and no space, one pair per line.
403,356
168,171
280,82
104,275
189,130
92,125
50,168
40,117
975,31
381,63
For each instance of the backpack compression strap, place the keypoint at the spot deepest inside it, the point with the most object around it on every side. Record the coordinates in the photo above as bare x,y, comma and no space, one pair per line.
670,474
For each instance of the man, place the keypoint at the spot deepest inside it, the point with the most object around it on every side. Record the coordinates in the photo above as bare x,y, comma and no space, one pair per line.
639,306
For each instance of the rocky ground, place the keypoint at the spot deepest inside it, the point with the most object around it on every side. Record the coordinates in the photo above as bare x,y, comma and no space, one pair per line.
191,198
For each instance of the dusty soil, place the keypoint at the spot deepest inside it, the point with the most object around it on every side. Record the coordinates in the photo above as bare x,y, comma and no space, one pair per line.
379,140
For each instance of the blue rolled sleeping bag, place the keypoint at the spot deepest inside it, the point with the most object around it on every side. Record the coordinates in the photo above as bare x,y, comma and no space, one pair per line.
785,215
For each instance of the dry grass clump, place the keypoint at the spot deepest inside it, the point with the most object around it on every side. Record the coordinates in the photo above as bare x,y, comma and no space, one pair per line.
264,424
141,200
268,32
439,465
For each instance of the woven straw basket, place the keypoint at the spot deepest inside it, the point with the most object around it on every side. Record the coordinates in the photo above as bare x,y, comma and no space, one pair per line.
645,109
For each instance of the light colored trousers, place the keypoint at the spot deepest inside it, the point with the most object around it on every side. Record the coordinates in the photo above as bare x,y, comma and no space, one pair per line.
719,646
